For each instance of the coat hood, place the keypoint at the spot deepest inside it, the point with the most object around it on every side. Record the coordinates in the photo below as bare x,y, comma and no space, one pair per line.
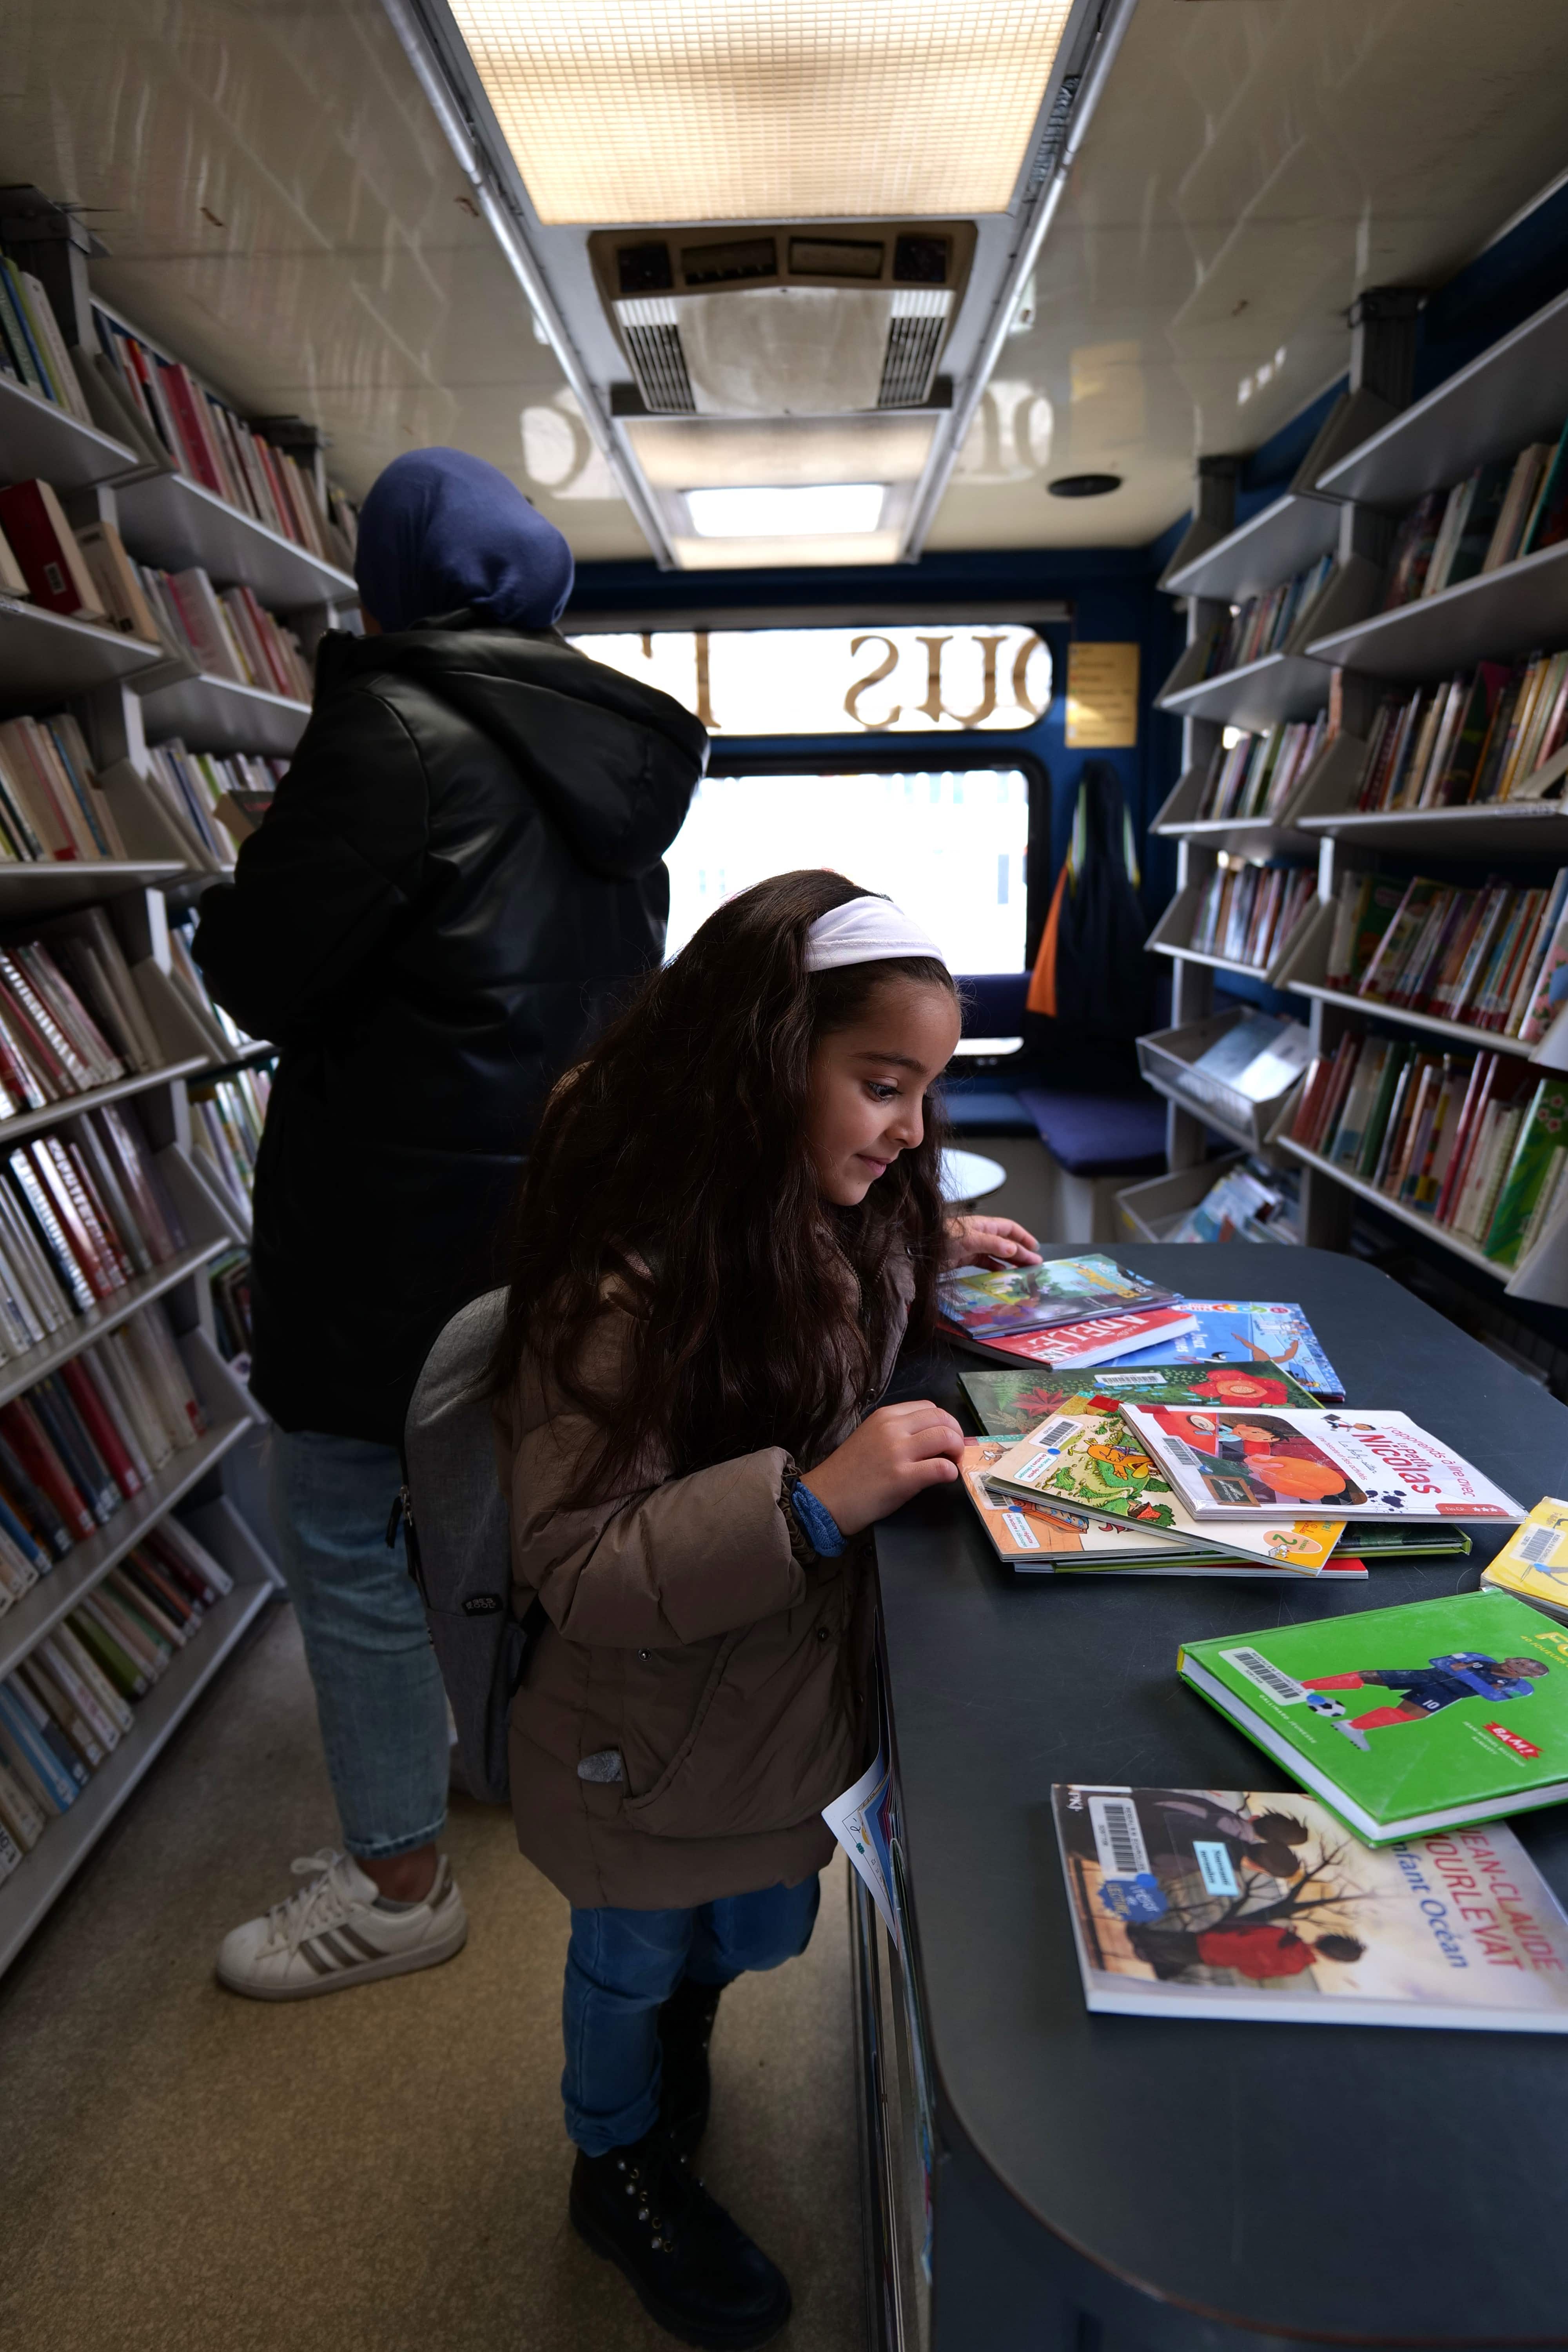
612,762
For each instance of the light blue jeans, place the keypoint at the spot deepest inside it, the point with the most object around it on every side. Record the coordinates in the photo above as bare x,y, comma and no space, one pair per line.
379,1696
622,1965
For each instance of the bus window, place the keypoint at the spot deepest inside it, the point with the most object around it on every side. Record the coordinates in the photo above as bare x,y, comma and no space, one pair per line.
947,843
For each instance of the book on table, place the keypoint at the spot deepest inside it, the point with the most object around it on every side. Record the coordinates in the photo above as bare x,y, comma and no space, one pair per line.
1247,1465
1429,1716
1534,1563
983,1307
1243,1903
1231,1331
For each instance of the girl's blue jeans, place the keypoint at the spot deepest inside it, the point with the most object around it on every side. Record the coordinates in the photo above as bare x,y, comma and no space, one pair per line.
621,1965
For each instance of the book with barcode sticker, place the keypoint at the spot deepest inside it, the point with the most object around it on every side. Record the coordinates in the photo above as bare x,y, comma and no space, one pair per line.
985,1307
1228,1903
1010,1404
1228,1464
1533,1562
1430,1717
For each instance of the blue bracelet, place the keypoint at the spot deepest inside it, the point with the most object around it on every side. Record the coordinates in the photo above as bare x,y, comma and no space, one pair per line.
821,1529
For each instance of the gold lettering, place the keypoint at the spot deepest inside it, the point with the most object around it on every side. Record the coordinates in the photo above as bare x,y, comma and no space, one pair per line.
704,701
1021,679
874,677
935,708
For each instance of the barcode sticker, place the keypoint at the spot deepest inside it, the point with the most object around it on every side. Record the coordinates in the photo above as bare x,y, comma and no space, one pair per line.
1180,1451
1537,1544
1021,1533
1279,1685
1056,1431
1117,1839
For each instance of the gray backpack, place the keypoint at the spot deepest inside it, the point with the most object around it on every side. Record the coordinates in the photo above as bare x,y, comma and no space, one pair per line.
455,1531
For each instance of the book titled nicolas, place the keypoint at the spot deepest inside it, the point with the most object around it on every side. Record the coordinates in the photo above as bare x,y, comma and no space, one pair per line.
987,1308
1226,1903
1429,1716
1359,1465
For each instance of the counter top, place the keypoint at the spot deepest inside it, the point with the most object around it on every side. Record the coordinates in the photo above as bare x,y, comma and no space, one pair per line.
1321,2180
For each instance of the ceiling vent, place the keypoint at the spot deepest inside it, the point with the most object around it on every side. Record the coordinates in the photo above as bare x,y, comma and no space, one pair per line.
783,322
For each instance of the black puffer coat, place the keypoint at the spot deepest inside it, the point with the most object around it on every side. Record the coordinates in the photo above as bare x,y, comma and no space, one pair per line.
461,867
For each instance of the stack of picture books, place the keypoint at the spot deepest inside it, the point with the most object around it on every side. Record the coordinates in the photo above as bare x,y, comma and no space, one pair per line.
1247,913
81,1444
1495,957
1263,623
1074,1312
1477,1142
52,806
1255,775
1509,508
1488,734
67,1706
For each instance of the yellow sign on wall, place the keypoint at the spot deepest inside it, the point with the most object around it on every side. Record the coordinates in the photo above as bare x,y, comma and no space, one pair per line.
1102,698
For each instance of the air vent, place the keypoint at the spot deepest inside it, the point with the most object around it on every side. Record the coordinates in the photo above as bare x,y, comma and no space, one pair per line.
644,269
831,257
728,265
914,343
652,339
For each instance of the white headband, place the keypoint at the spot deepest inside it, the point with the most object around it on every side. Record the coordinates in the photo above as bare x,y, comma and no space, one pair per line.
865,930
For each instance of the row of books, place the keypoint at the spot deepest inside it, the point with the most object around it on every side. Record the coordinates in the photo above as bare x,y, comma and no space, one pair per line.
81,1445
1255,775
51,1046
1246,913
32,348
227,1118
1263,623
1506,508
1470,1141
211,798
176,420
1483,735
1495,957
53,808
67,1706
84,1210
228,635
229,1280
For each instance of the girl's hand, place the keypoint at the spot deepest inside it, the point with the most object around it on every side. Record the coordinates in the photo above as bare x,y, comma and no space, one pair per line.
896,1452
994,1242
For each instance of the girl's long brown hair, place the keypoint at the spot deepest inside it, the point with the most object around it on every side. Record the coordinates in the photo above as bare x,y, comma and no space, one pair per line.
672,1162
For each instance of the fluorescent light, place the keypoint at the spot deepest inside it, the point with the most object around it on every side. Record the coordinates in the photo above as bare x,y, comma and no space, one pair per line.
685,453
667,110
750,554
801,511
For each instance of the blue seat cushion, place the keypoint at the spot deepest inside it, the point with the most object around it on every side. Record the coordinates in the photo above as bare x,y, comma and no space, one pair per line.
1100,1135
977,1108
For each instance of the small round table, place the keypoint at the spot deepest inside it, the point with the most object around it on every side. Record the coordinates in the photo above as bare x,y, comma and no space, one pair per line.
969,1176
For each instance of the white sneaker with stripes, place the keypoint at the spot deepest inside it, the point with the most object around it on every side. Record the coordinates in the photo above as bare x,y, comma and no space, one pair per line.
336,1931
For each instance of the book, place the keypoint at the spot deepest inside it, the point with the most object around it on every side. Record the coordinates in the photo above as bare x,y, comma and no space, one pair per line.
1246,1465
1533,1562
1240,1331
1230,1903
1404,1721
34,521
1012,1404
1085,1459
1063,1290
1102,1339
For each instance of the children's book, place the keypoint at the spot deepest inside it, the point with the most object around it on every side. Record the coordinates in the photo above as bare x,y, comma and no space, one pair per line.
1228,1464
1404,1720
1099,1339
1229,1903
1229,1331
1037,1538
1534,1563
985,1306
1084,1459
1011,1404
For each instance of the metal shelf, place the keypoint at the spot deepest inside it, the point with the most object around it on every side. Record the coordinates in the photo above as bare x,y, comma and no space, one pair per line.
29,1122
218,714
44,655
30,1890
173,523
83,1330
1453,1033
52,886
1276,544
27,1621
1500,828
1511,395
1498,614
39,442
1461,1248
1277,686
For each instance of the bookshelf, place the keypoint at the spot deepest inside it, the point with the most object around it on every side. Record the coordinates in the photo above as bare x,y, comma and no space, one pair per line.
128,696
1511,396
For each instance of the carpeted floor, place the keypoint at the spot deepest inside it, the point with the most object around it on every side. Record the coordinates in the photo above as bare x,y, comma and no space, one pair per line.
382,2170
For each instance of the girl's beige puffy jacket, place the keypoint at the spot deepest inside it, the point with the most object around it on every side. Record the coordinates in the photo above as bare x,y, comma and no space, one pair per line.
698,1695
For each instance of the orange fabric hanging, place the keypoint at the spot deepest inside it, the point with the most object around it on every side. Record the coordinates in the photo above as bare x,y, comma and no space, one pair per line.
1042,996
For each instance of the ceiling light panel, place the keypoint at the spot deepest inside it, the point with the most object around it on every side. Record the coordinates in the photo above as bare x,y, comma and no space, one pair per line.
619,111
677,453
804,510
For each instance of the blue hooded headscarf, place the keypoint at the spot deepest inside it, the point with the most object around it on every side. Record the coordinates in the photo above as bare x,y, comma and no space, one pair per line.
441,530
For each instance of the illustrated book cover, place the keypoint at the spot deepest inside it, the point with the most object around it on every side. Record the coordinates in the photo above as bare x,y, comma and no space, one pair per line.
1237,1331
986,1307
1229,1464
1428,1716
1534,1563
1226,1903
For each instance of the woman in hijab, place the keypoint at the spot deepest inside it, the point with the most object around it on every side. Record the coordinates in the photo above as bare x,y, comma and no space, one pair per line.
463,863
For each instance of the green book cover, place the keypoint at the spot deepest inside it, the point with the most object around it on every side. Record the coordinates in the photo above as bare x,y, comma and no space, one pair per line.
1010,1404
1544,1131
1409,1720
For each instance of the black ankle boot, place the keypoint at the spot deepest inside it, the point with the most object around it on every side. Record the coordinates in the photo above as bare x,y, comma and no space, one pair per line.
694,2270
685,2026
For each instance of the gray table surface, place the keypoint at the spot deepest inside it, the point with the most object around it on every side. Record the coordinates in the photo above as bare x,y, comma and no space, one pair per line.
1351,2182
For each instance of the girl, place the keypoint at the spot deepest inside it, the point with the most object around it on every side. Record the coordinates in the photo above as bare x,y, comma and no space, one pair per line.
731,1217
